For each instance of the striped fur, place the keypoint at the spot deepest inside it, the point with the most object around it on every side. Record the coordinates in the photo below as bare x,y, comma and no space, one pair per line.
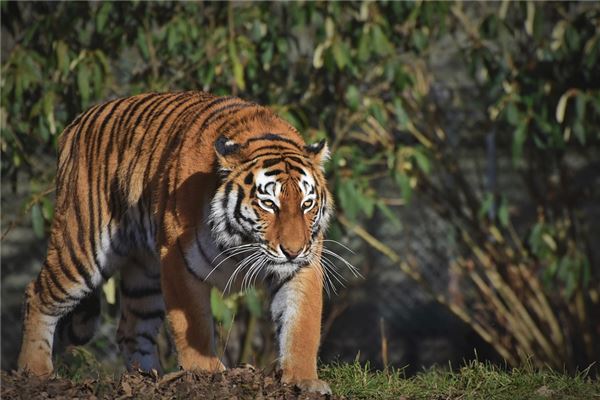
157,186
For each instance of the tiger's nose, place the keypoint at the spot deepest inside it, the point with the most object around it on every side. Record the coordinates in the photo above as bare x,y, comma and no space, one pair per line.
289,254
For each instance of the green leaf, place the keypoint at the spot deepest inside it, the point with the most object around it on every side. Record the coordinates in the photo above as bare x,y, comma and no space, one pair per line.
353,97
62,57
102,16
518,142
586,272
364,46
220,309
486,205
47,209
380,42
340,54
422,161
401,114
171,37
48,108
419,40
378,111
404,182
512,114
253,302
391,216
142,44
37,221
83,82
238,68
503,214
348,196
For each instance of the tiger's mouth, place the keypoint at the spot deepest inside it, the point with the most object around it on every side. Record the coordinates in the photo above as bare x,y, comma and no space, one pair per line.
256,261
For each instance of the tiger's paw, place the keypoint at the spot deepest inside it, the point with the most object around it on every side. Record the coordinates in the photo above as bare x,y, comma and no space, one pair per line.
39,369
35,363
211,364
314,386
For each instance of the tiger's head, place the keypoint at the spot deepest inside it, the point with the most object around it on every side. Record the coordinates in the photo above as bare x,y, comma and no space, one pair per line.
273,201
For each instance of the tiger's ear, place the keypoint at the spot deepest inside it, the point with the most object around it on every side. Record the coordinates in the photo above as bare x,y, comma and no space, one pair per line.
228,153
319,152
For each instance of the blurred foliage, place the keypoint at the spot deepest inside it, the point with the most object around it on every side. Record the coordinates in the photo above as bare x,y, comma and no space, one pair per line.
359,74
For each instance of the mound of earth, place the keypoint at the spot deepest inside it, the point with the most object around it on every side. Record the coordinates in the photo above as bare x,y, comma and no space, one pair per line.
237,383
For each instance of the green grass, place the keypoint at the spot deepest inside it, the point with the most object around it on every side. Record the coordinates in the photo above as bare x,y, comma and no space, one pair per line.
476,380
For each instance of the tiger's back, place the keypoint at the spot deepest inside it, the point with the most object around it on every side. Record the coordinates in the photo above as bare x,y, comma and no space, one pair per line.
135,179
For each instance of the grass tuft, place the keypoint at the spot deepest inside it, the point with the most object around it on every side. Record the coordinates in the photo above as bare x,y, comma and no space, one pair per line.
475,380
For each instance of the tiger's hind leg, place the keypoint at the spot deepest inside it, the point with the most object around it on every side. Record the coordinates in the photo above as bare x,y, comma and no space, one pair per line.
61,285
79,326
142,314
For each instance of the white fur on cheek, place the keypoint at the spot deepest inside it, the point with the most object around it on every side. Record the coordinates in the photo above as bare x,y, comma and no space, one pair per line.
221,219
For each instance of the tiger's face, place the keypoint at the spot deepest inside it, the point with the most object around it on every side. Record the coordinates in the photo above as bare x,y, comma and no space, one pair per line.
272,206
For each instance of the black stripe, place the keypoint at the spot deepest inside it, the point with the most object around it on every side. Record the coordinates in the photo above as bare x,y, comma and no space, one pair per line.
272,161
276,285
147,336
228,188
187,264
87,277
59,286
274,172
299,170
273,147
137,293
238,207
148,314
65,270
202,252
57,301
273,137
284,155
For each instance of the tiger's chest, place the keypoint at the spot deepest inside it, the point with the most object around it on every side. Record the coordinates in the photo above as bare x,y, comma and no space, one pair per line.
206,261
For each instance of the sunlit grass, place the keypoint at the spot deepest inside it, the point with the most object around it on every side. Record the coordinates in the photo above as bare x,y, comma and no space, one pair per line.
476,380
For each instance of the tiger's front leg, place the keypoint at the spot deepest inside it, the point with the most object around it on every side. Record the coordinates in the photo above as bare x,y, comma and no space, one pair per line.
187,300
296,310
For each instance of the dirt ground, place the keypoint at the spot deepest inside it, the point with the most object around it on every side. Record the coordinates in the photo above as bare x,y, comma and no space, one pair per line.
238,383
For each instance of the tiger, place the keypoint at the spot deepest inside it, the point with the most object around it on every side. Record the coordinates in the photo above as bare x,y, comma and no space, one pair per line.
156,187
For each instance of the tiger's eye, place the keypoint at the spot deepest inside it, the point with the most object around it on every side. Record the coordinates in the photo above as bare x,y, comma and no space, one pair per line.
268,203
307,204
